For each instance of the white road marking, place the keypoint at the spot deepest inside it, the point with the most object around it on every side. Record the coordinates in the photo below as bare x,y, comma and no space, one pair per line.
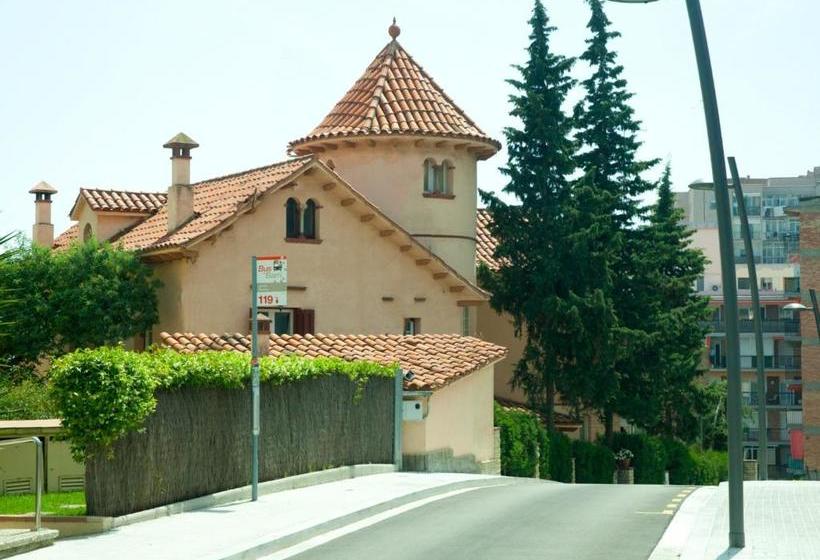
364,523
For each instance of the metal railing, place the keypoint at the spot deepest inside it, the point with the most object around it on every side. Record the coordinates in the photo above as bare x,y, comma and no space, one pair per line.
775,435
783,398
791,363
747,325
38,473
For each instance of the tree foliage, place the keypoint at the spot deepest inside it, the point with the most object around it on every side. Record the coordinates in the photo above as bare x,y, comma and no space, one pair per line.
88,295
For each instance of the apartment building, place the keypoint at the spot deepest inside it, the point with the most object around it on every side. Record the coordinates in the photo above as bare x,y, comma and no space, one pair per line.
775,232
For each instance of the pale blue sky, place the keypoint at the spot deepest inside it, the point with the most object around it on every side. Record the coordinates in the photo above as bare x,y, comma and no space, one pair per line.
91,90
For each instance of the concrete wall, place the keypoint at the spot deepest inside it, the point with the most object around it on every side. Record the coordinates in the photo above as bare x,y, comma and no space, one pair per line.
391,174
344,277
457,434
18,462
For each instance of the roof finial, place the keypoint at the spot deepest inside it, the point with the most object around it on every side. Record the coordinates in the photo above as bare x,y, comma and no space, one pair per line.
394,30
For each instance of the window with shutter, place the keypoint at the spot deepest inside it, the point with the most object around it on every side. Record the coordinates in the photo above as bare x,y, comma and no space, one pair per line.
291,218
303,321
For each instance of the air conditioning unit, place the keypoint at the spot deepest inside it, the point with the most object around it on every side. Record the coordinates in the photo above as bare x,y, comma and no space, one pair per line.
715,287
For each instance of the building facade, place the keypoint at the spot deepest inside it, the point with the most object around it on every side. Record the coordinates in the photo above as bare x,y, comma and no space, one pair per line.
776,243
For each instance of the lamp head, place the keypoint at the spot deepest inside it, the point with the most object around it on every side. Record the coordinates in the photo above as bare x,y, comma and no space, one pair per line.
796,307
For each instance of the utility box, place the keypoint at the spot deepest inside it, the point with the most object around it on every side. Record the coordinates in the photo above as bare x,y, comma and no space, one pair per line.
412,411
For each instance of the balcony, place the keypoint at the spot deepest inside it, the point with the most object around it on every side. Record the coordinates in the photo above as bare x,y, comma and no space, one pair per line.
775,435
787,363
782,398
788,326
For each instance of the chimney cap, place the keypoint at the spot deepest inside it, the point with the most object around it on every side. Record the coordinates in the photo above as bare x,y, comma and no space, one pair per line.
181,140
42,187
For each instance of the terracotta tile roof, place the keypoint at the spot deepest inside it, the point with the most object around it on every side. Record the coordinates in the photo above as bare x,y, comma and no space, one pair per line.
107,200
67,237
215,200
396,96
435,359
563,420
485,242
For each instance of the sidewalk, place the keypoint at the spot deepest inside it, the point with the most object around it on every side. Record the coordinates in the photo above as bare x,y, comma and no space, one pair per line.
782,521
251,530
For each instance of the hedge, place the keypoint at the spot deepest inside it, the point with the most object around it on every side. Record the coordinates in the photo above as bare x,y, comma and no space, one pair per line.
103,394
679,462
561,457
594,463
709,467
523,439
650,456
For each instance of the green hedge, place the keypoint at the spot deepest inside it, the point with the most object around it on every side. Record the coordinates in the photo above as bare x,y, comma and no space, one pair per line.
650,456
105,393
709,467
679,461
561,457
594,463
523,440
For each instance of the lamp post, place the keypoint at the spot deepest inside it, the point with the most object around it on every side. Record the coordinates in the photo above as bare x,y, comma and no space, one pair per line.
800,307
727,266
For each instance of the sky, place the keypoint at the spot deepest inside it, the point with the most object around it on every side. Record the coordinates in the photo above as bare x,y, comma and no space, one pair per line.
90,90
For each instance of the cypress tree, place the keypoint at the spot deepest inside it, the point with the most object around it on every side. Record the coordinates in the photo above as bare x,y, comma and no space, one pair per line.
543,250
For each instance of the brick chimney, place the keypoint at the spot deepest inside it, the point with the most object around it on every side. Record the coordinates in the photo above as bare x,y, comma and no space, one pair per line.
43,231
180,193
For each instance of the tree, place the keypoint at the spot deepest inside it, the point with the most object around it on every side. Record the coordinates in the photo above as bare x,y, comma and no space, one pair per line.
91,294
659,391
608,196
543,277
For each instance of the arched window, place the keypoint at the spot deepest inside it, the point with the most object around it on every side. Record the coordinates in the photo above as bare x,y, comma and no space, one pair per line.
88,233
444,178
309,220
291,218
429,175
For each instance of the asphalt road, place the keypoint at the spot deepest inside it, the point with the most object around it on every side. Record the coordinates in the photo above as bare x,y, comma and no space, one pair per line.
526,519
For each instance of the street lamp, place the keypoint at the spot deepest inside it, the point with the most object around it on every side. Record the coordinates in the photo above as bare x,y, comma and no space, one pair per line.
800,307
727,267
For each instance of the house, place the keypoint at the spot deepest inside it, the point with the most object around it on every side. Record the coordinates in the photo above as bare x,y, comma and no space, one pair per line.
375,210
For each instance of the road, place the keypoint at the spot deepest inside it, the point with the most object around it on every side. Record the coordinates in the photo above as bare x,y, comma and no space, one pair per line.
524,519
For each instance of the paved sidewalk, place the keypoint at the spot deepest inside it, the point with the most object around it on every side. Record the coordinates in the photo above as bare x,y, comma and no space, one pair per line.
782,521
245,529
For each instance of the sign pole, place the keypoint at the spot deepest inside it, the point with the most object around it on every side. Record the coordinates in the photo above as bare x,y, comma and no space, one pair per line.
254,386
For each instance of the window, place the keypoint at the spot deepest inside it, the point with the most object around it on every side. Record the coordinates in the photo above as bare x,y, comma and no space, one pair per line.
290,320
291,219
282,323
88,233
743,284
444,176
766,284
412,326
309,220
465,321
429,175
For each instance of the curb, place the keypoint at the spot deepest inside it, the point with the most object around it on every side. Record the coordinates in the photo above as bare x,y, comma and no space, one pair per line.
244,493
269,545
679,533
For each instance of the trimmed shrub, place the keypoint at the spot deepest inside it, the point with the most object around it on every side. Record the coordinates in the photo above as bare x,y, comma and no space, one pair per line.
650,456
594,463
709,467
523,441
560,457
679,461
106,393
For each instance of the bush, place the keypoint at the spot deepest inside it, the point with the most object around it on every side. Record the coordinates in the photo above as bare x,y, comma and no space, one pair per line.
650,456
523,441
679,462
594,463
29,399
709,467
106,393
560,457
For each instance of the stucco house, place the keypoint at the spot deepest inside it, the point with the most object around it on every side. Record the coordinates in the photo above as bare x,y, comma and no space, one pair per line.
376,212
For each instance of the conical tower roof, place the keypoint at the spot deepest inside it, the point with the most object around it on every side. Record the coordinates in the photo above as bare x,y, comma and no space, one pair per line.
395,96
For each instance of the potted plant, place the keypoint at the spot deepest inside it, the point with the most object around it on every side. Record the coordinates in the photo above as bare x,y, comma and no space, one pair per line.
625,473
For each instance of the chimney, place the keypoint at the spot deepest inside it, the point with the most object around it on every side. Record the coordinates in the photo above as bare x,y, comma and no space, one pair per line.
43,232
180,194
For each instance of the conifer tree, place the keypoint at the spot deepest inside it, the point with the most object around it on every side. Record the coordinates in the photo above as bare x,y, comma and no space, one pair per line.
545,258
608,194
663,397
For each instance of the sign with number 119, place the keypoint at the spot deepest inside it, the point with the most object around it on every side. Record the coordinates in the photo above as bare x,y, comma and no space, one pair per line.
271,281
